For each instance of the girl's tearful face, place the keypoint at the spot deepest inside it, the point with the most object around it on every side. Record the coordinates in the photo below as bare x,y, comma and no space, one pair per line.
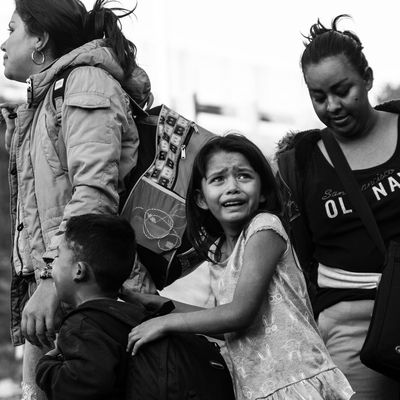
231,190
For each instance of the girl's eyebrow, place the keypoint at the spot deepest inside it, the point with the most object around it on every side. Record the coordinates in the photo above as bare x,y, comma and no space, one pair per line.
223,170
216,172
245,168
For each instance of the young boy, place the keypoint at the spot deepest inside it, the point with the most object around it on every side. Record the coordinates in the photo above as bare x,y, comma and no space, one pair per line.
89,361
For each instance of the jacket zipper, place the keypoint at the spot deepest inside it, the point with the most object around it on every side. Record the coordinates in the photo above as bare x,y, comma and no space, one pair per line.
29,91
192,129
20,226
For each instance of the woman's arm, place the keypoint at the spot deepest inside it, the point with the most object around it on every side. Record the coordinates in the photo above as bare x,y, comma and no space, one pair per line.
94,118
97,131
262,253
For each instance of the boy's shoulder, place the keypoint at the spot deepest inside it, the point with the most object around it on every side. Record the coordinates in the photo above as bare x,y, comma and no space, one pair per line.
107,314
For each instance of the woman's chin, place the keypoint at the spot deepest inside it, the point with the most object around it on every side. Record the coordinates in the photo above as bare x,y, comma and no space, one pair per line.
12,76
9,75
346,131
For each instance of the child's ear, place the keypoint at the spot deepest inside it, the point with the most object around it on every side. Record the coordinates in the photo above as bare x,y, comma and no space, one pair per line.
262,198
81,272
200,200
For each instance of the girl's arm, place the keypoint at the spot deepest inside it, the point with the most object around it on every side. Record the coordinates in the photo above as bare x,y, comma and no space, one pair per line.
262,253
155,301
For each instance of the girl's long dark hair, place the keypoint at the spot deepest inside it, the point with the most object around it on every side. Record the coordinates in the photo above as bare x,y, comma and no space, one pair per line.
70,25
202,227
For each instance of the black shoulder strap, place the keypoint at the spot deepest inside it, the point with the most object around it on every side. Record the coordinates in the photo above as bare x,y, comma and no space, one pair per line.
59,91
353,190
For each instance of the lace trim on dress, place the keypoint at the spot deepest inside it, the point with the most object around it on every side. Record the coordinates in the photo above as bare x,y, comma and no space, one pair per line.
330,384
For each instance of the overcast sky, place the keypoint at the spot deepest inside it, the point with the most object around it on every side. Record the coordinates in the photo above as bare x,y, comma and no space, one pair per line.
270,31
258,32
264,30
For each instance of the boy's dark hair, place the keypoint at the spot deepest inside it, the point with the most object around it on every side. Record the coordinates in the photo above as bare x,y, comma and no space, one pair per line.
202,226
322,42
70,25
106,243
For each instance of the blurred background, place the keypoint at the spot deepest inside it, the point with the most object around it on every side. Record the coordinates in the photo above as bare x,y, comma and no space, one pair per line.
226,64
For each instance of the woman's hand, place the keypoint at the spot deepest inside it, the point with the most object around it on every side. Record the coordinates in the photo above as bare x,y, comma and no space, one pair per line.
37,322
9,115
146,332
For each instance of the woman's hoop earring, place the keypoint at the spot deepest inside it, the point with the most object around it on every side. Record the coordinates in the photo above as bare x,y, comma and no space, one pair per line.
38,57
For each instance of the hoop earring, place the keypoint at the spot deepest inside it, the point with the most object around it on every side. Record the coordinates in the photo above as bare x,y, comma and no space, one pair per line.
38,57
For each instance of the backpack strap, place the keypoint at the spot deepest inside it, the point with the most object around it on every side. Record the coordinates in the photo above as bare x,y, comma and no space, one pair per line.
59,91
57,98
353,189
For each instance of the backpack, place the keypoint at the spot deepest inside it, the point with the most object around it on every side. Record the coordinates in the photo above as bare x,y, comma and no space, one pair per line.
175,367
154,200
179,367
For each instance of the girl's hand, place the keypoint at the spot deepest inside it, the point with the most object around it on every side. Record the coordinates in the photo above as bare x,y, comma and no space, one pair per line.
131,296
146,332
54,352
148,300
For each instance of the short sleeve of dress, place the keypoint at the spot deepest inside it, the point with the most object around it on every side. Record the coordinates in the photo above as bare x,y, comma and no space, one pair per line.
266,221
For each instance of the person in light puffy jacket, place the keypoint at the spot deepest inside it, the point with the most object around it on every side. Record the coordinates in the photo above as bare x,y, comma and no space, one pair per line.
68,164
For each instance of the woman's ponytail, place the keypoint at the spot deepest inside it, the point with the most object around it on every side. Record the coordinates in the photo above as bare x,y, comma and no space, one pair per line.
104,23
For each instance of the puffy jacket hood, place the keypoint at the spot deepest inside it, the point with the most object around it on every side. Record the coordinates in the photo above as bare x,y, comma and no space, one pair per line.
95,53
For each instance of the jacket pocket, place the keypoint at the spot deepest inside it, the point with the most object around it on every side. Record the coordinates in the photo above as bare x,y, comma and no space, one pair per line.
88,100
90,118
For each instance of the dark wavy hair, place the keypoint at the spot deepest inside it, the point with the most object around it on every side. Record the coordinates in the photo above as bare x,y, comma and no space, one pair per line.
70,25
106,243
323,42
202,227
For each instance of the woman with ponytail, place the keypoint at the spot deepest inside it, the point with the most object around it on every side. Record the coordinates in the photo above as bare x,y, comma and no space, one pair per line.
336,252
63,163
